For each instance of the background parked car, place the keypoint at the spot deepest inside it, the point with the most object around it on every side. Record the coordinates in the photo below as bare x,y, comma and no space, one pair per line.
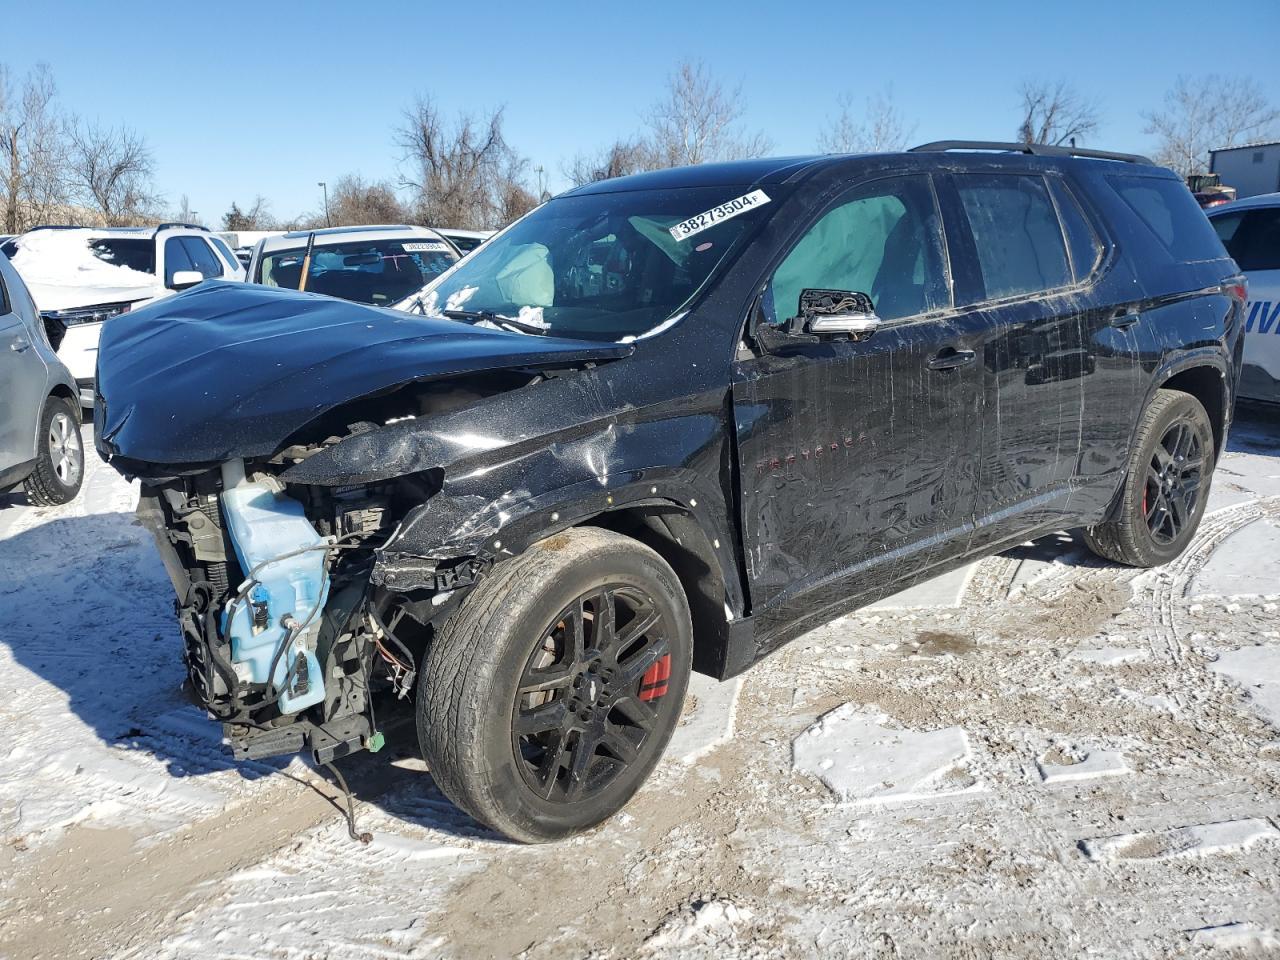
40,443
378,265
1208,190
464,240
80,277
1250,229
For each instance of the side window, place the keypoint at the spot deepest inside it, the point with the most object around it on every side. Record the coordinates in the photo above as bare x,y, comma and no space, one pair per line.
1252,237
4,296
227,255
1082,242
885,240
1016,232
1170,212
175,259
203,257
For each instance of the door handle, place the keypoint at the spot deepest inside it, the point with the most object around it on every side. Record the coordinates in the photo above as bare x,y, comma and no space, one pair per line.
20,345
950,359
1126,318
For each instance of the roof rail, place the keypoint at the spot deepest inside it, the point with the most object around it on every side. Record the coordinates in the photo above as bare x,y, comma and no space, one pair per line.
1035,149
184,226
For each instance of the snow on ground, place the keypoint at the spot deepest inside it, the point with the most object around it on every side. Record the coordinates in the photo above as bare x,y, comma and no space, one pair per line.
1041,755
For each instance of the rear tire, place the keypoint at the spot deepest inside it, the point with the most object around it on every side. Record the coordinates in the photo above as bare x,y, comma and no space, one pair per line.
1166,487
60,456
548,698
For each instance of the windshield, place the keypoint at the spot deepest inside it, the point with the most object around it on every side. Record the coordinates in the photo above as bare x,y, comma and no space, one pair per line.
608,266
378,272
132,252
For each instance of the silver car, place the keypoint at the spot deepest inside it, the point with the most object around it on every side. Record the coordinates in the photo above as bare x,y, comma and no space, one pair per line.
40,445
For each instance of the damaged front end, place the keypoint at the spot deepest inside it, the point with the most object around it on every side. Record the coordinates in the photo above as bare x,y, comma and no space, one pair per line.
295,600
285,637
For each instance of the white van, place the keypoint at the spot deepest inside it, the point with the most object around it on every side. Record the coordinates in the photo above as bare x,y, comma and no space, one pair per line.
1250,229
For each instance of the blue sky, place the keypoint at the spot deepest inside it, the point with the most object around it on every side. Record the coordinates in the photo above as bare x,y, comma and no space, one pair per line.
240,99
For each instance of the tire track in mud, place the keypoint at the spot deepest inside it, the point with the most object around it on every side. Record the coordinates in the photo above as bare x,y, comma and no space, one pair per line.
1162,590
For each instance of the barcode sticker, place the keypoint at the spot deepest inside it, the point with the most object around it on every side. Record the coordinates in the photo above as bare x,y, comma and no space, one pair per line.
730,208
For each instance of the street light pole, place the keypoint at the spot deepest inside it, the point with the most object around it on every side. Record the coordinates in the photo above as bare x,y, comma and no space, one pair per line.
325,187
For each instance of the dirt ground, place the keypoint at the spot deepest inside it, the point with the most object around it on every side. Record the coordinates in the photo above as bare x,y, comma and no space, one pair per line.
1043,755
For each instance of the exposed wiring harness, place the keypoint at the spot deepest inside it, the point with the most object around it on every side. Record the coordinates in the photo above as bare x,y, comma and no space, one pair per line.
402,671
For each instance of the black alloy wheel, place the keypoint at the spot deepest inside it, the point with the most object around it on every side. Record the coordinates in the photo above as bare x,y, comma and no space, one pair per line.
1175,478
587,700
548,698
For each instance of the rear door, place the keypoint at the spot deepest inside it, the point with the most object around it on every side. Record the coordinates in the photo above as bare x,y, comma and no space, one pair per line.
1252,237
1042,356
858,458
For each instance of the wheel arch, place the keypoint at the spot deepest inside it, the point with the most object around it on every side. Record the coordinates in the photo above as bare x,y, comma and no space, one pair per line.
63,391
676,536
1208,384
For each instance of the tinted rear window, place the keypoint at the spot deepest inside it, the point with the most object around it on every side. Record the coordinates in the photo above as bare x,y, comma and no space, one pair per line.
1083,243
1252,237
1172,214
1016,230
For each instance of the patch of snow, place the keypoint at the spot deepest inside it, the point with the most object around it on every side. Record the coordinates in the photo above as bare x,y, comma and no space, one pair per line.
1257,669
711,721
1108,656
1246,564
654,331
1097,763
532,317
702,923
860,757
61,272
1237,936
459,297
1193,841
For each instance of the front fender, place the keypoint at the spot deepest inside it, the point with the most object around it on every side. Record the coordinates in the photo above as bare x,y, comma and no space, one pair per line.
679,463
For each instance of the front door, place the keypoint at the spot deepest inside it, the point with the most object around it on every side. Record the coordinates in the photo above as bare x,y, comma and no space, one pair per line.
858,457
22,375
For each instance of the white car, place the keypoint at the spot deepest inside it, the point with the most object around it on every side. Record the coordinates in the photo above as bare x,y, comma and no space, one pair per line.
81,277
1250,230
464,240
375,265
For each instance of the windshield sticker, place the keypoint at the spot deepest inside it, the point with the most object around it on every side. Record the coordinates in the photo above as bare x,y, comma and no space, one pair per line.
425,246
731,208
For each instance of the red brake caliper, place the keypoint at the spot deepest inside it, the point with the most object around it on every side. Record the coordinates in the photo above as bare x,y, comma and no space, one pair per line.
654,682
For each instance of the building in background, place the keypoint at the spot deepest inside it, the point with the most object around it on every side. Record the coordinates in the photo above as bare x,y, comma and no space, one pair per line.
1252,169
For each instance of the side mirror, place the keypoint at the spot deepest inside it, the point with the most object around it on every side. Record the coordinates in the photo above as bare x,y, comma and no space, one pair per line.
837,313
182,279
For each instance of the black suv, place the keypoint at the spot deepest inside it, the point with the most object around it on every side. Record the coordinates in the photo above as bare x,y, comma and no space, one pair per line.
663,423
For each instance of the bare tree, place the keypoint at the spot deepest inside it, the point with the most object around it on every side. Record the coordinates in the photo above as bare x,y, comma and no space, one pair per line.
1054,113
1206,113
463,173
257,217
112,170
184,213
354,202
621,159
32,167
880,130
698,121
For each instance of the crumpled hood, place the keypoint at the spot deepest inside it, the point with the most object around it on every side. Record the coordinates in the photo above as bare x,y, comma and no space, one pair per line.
232,370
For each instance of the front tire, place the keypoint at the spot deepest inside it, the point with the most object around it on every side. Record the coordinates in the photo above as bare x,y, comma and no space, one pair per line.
60,457
548,698
1166,487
